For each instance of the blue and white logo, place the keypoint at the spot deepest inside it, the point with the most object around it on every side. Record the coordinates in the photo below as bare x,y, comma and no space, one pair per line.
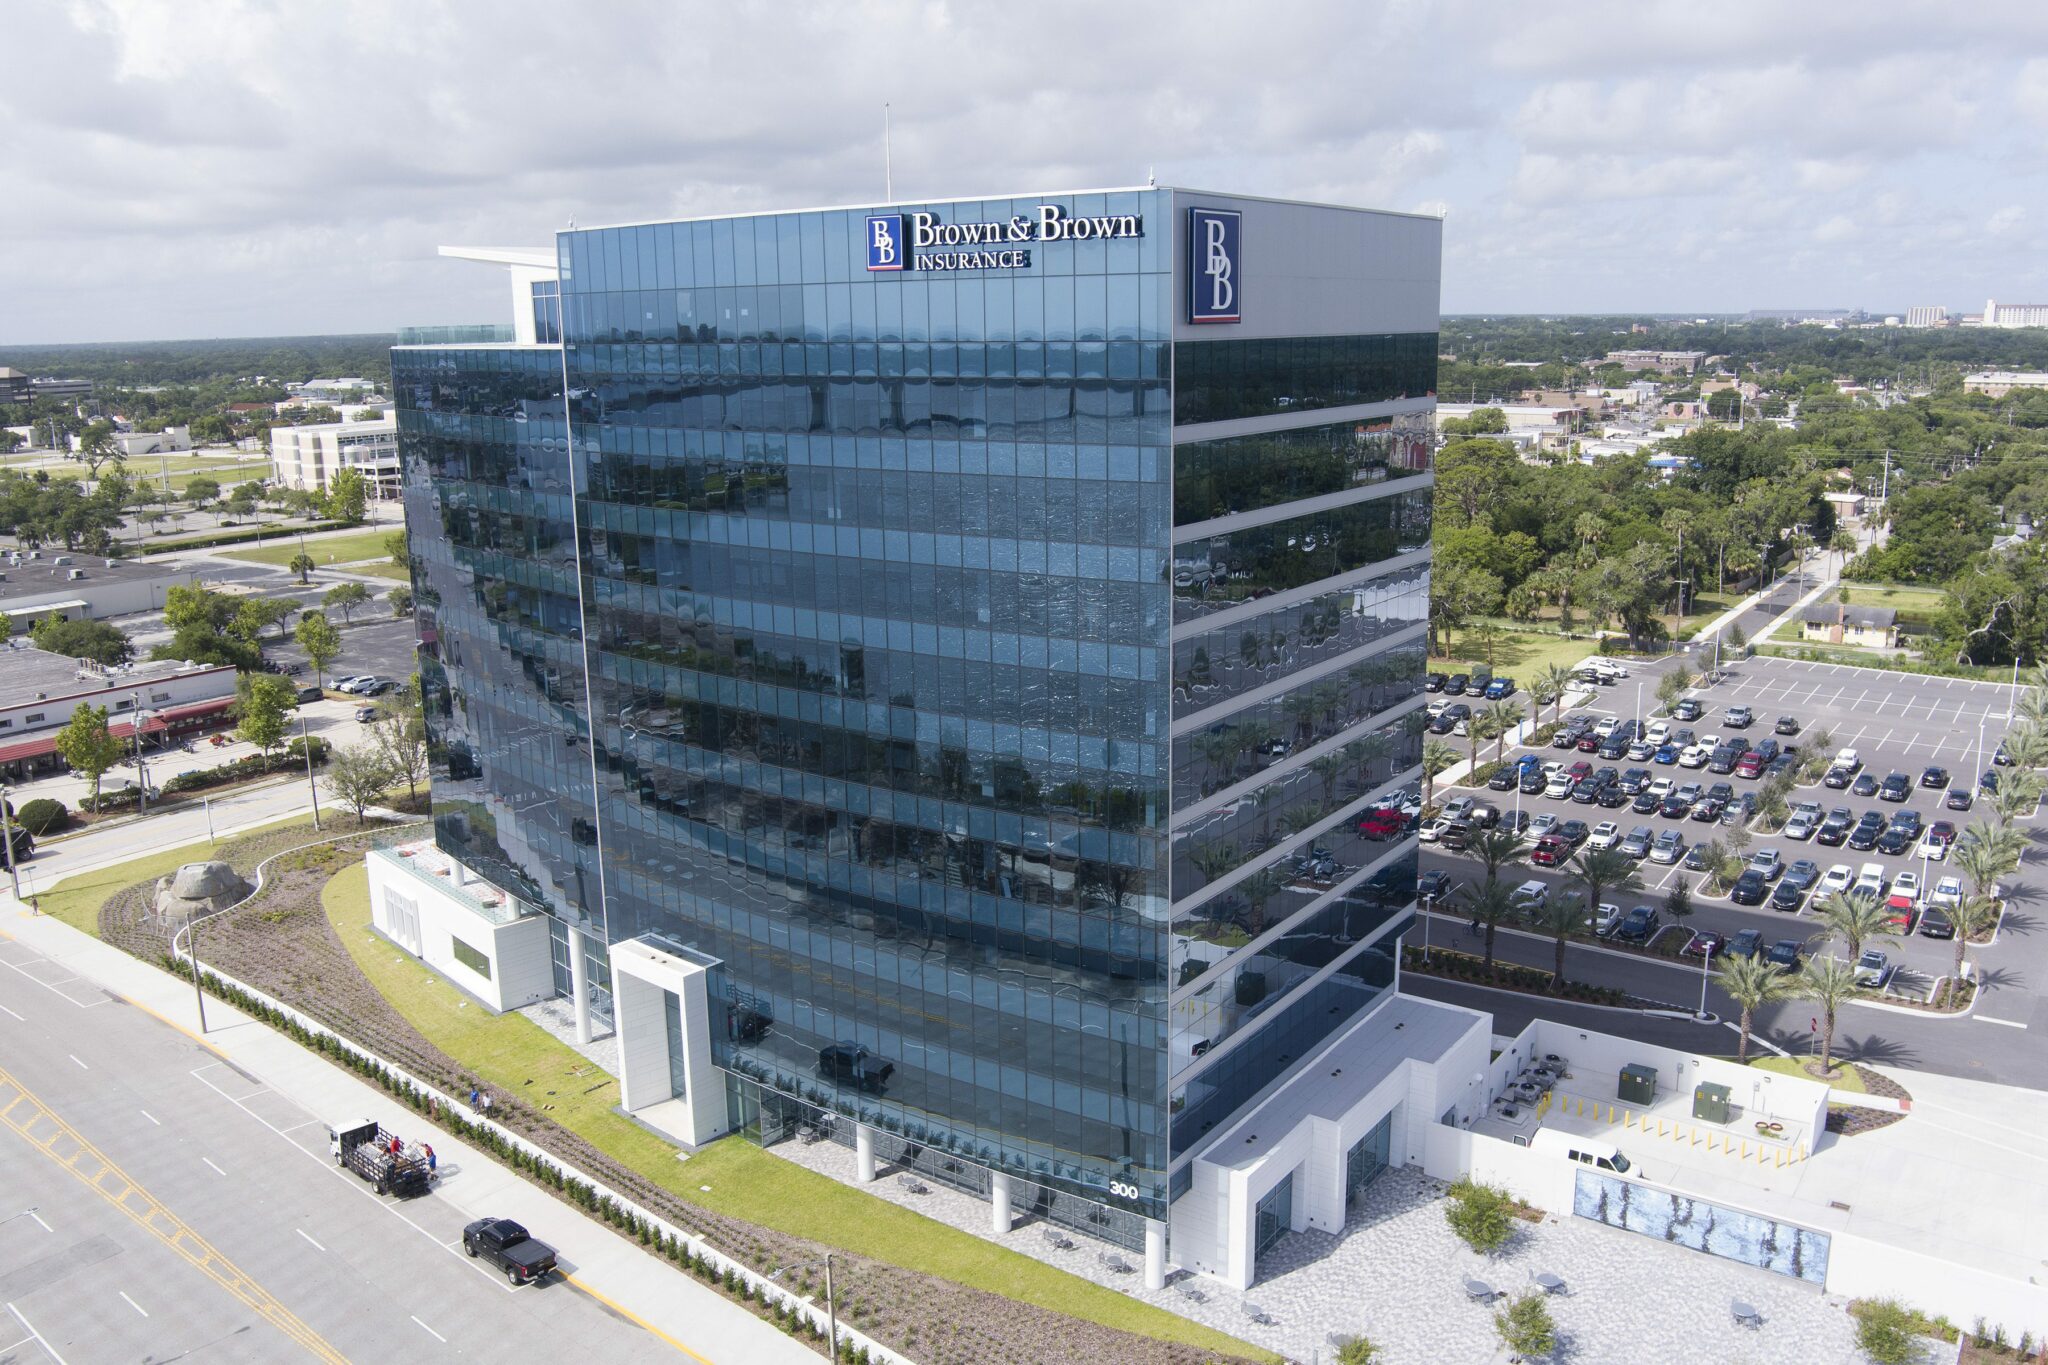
1215,292
885,241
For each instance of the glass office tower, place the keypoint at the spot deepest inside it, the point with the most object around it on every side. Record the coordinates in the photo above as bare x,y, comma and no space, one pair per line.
975,646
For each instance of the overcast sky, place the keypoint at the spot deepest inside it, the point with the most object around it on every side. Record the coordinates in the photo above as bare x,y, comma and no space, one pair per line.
208,168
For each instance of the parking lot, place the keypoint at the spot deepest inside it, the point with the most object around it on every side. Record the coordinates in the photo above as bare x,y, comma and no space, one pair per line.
1897,724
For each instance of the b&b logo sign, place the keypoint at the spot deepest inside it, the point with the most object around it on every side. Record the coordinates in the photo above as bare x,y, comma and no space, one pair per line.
885,241
1214,287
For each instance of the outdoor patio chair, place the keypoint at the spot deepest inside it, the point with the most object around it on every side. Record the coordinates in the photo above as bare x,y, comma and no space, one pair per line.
1058,1240
1257,1314
1187,1290
1115,1264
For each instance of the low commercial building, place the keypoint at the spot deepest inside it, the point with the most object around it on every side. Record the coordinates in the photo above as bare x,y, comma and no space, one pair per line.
39,691
310,457
1849,505
1999,383
134,443
1669,362
14,386
34,583
1835,624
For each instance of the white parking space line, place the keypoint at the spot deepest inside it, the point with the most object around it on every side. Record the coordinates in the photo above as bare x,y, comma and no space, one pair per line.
34,1335
428,1330
80,1065
132,1303
151,1117
209,1161
308,1236
39,1221
11,1014
2009,1023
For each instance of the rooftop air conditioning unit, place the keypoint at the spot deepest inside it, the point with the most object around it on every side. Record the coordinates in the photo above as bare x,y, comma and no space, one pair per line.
61,560
75,575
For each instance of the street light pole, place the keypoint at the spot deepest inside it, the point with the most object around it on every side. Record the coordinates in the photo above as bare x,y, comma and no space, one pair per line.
1706,964
192,950
141,773
306,743
7,837
1427,903
831,1310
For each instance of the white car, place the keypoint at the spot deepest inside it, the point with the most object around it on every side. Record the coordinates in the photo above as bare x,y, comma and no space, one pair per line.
1658,732
1435,709
1907,884
1606,834
1558,787
1873,969
1459,808
1541,825
1607,725
1947,894
350,684
1662,787
1870,880
1836,879
1802,825
1932,850
1434,830
1695,756
1530,897
1605,920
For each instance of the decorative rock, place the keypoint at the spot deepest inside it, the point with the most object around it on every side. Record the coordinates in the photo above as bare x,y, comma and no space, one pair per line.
199,889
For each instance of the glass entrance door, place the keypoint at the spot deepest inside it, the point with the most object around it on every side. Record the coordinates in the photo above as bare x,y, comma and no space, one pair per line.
1275,1216
1367,1159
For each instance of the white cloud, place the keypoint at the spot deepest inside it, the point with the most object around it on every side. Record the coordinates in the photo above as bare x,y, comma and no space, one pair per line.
232,166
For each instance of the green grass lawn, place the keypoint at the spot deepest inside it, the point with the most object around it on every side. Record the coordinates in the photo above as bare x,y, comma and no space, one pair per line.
746,1182
1850,1080
328,550
1923,601
380,568
1519,654
1705,607
78,899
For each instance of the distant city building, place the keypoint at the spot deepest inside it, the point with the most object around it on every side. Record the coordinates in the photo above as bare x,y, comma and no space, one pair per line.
1934,315
1998,314
1848,504
34,583
14,386
333,390
309,457
1669,362
60,388
1999,383
1804,315
133,443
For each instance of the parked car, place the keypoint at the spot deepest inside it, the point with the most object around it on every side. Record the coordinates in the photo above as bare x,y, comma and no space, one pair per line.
1786,954
1769,862
1455,684
1935,924
1741,717
1897,787
1499,688
1934,777
1836,879
1873,969
1636,843
1958,798
1803,873
1529,897
1669,847
1834,830
1907,884
1386,822
367,714
1749,889
1869,880
508,1246
1688,709
1604,920
1550,851
352,682
852,1062
1746,944
1787,896
1900,912
1433,831
1864,785
1696,858
1945,893
1739,811
1896,839
1542,825
1802,824
1574,832
1433,682
1868,831
1606,834
1787,725
1705,942
1638,924
1433,887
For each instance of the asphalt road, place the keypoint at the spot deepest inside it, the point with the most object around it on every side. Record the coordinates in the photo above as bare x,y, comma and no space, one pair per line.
1897,722
160,1205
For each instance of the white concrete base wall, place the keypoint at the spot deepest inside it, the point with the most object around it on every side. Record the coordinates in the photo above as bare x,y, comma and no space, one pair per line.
1861,1268
641,972
427,923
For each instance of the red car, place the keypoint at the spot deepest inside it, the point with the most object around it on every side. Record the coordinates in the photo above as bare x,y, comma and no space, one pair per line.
1942,832
1580,770
1900,913
1383,822
1550,851
1704,941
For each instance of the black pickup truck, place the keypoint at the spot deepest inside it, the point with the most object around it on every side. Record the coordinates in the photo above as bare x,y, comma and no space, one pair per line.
853,1062
380,1158
505,1244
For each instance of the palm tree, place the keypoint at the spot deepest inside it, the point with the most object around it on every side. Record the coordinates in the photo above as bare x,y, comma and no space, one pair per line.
1213,860
1329,768
1257,889
1437,755
1841,544
1501,717
1599,870
1495,847
1828,981
1984,854
1558,917
1973,916
1855,916
1549,688
2027,747
2033,705
1753,982
1492,906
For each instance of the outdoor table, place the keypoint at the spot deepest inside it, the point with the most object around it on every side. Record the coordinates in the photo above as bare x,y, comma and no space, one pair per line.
1549,1283
1746,1314
1479,1290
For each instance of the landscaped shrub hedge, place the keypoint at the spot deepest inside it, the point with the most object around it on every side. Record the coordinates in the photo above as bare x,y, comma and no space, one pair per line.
255,765
242,535
44,815
1508,975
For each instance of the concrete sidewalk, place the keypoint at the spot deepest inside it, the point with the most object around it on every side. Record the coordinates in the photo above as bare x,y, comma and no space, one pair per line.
667,1302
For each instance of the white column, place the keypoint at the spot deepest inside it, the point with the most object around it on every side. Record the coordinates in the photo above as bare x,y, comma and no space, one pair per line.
863,1153
579,984
999,1203
1155,1254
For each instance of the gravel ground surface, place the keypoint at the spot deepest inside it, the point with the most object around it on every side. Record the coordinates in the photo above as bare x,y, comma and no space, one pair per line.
281,942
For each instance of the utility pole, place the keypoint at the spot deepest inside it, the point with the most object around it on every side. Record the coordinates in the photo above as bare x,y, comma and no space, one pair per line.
141,773
306,743
192,951
831,1310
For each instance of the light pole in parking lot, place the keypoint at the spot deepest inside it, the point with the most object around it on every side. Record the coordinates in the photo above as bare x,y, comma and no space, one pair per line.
1706,967
1428,900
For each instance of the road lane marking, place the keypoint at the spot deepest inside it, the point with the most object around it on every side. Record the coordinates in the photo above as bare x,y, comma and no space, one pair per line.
132,1303
34,1335
303,1233
74,1059
151,1117
209,1161
12,1014
428,1330
70,1149
2009,1023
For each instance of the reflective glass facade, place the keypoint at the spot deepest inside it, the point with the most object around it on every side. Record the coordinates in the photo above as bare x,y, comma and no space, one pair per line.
834,623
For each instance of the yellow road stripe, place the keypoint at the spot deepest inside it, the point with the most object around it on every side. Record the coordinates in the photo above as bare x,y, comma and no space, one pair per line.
632,1317
164,1019
91,1168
